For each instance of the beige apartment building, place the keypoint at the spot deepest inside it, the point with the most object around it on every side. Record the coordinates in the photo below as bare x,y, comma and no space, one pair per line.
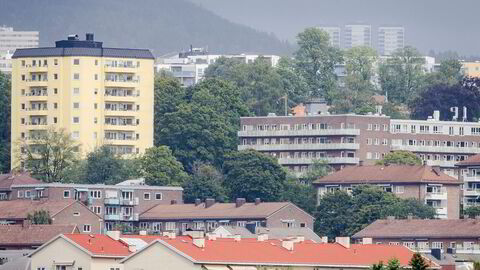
99,95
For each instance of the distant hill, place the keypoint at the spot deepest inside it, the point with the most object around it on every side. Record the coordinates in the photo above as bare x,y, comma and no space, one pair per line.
165,26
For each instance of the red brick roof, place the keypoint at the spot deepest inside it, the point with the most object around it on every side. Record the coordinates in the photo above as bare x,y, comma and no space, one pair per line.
251,251
472,160
7,180
18,235
99,244
423,228
218,210
19,209
387,174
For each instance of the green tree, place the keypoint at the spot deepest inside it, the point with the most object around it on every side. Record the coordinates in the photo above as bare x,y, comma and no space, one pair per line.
250,174
449,73
206,182
318,169
476,265
472,211
334,214
40,217
393,264
301,194
418,262
402,76
379,266
205,126
47,155
294,85
5,137
315,60
161,168
400,157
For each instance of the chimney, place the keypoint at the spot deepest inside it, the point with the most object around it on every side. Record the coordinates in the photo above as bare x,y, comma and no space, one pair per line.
298,238
89,37
239,202
199,242
367,241
209,202
211,237
344,241
115,235
132,248
262,237
198,202
142,233
26,223
237,237
287,244
173,202
257,201
325,239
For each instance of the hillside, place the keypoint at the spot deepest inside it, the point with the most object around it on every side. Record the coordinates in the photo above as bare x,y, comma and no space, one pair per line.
165,26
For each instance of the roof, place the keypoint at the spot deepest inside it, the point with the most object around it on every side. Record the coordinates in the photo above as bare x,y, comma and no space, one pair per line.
22,263
273,233
117,187
19,209
271,252
78,51
216,211
387,174
99,244
18,235
422,228
9,179
471,161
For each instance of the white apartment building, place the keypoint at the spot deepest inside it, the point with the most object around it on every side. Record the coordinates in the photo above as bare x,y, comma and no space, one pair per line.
11,40
6,62
390,39
334,34
357,35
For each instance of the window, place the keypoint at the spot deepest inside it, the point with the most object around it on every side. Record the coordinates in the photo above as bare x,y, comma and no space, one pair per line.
422,245
55,62
437,245
156,226
76,120
369,141
40,268
96,77
95,106
76,62
369,127
158,196
76,91
54,120
303,225
76,76
76,105
96,194
20,194
377,127
170,226
377,141
55,91
66,194
241,223
95,91
369,155
55,105
95,120
146,196
96,62
410,245
55,76
23,63
461,131
87,228
96,209
60,267
75,134
23,77
399,189
385,142
385,127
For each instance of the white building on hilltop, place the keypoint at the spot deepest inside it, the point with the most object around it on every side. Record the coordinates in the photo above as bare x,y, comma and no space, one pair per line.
390,39
357,35
334,34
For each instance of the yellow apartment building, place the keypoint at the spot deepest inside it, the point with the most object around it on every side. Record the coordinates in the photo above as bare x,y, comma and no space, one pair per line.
471,69
100,96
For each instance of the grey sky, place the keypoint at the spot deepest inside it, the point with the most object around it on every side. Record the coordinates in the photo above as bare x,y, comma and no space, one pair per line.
430,24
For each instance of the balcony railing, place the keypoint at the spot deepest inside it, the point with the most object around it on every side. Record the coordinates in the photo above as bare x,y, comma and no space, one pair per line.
305,132
436,149
329,160
303,146
471,192
121,217
120,201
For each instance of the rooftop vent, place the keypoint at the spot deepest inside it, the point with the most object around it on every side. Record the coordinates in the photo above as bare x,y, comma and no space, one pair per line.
89,36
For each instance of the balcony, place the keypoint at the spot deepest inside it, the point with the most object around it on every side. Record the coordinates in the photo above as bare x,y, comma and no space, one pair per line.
330,160
121,217
305,132
33,83
120,201
442,163
113,217
471,178
441,212
471,192
184,74
437,149
303,146
436,195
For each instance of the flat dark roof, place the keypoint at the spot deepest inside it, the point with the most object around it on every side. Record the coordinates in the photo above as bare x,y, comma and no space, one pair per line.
82,51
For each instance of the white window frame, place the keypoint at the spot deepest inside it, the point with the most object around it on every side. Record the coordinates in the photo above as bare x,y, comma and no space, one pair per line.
161,196
65,192
149,196
89,226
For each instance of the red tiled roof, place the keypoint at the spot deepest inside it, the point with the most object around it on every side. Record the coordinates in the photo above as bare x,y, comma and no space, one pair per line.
248,251
387,174
218,210
473,160
422,228
18,235
99,244
19,209
9,179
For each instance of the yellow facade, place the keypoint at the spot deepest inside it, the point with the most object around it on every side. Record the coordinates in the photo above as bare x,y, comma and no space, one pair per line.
471,69
98,100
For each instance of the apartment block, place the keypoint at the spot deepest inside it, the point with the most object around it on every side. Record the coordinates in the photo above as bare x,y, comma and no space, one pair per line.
334,34
390,39
423,183
99,95
459,237
10,39
469,174
117,204
471,69
357,35
208,216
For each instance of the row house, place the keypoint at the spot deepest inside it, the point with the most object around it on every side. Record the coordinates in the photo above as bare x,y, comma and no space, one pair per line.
424,183
117,204
209,215
455,236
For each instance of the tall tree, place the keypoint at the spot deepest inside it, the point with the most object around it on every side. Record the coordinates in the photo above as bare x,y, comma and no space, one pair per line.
400,158
449,73
40,217
206,182
161,168
5,137
418,262
301,194
315,60
48,154
334,214
402,75
250,174
472,211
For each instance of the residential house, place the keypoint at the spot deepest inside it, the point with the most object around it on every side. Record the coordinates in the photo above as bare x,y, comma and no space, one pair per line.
424,183
28,236
209,215
64,212
273,233
10,179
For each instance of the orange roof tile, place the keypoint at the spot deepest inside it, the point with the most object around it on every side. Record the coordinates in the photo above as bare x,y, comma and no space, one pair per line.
19,209
9,179
100,245
31,235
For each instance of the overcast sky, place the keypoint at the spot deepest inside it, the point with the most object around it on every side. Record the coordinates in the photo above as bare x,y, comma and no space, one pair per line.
429,24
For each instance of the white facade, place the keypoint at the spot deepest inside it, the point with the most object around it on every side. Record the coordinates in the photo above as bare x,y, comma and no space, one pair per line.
6,62
11,40
357,35
334,34
390,39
